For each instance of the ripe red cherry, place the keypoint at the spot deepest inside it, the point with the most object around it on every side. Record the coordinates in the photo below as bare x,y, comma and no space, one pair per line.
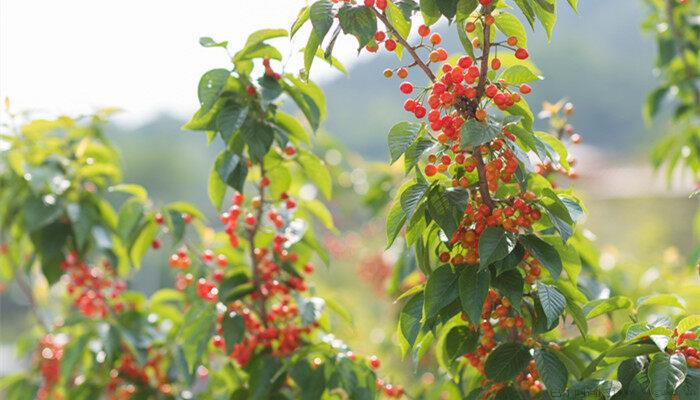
420,111
381,4
521,54
158,218
390,44
525,88
409,105
374,362
369,3
430,170
406,87
435,39
250,219
423,30
465,62
470,27
512,41
379,36
485,2
156,244
495,64
402,73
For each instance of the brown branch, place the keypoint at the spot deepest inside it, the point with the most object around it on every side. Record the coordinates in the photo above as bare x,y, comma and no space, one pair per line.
411,50
251,242
681,48
480,89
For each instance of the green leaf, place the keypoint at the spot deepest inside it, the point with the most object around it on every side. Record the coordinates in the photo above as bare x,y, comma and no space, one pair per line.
358,21
464,9
401,136
410,322
302,17
652,105
510,284
528,12
264,376
603,306
312,46
494,245
475,133
292,126
453,343
688,323
415,151
411,197
552,301
210,87
544,253
216,188
547,14
196,331
230,119
143,242
72,355
511,26
517,74
400,23
316,170
670,300
332,61
552,372
184,207
209,42
135,190
506,361
38,213
394,222
321,15
233,326
473,288
318,210
232,169
443,210
448,8
440,290
430,11
666,373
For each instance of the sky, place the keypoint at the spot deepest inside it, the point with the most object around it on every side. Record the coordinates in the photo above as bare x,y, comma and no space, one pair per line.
73,56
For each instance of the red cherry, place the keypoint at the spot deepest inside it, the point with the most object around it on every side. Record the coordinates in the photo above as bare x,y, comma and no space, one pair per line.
379,36
521,54
423,30
525,88
409,105
369,3
381,4
158,218
390,45
430,170
406,87
374,362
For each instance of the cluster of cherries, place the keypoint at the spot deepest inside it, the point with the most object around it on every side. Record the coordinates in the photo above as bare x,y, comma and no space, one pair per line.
49,355
92,287
499,319
128,376
692,355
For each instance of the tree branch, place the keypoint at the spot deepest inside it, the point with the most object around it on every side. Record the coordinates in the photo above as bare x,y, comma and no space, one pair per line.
412,51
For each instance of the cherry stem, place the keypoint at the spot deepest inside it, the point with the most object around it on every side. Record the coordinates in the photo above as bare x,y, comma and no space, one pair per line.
404,43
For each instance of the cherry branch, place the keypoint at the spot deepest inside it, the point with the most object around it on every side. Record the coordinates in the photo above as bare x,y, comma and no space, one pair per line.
483,184
252,232
411,50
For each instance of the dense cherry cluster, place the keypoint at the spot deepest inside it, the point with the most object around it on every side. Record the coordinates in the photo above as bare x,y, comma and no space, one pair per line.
128,376
49,355
93,288
692,356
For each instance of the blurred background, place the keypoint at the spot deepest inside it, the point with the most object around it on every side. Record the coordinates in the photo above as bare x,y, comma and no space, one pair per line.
76,56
